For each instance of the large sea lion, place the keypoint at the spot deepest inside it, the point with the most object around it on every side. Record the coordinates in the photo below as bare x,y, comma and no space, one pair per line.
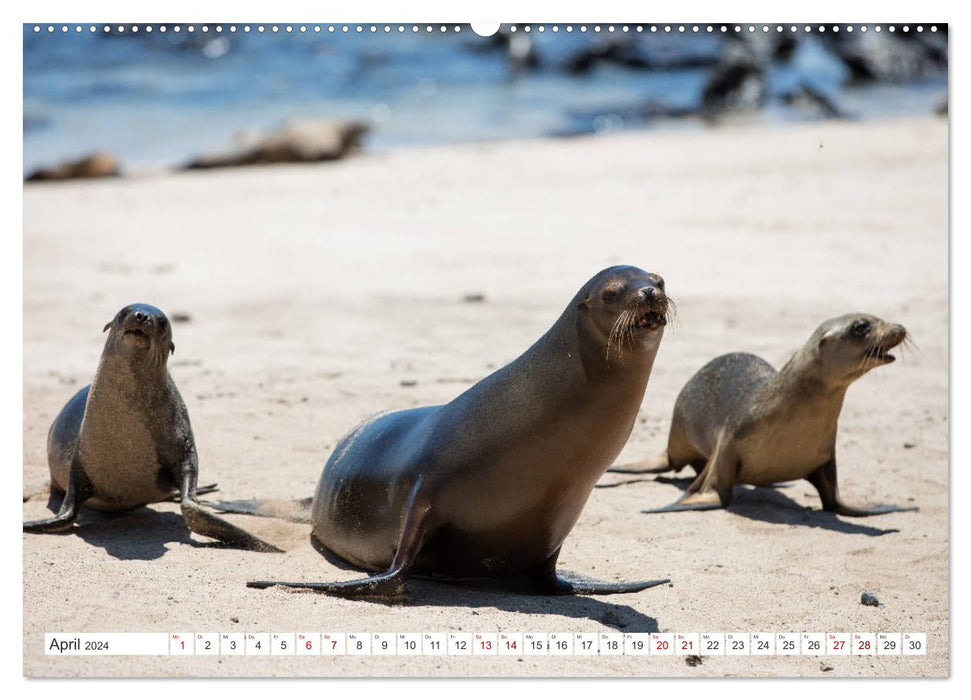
488,486
125,441
739,421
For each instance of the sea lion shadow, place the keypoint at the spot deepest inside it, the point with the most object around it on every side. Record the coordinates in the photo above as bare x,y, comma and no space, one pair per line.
430,592
623,618
766,504
141,534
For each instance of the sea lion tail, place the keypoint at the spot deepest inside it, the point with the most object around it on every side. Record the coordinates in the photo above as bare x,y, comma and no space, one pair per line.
294,511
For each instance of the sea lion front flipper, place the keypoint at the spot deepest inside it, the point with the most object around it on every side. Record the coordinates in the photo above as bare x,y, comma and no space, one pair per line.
549,581
202,522
574,584
703,500
712,488
824,479
389,584
76,493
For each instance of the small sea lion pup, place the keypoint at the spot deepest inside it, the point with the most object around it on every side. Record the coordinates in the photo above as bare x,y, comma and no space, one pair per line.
739,421
125,441
486,488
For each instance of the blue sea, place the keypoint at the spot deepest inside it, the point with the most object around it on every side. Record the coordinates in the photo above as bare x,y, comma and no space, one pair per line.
155,100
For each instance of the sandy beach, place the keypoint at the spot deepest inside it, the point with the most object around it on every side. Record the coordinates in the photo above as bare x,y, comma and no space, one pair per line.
318,295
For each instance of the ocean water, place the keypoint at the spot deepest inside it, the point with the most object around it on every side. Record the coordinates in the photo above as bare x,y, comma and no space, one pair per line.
155,100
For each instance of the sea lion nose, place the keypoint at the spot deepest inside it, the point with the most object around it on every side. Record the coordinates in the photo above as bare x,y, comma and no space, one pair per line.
649,293
139,316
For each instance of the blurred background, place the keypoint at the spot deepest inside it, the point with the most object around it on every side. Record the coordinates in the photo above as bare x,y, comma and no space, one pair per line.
158,99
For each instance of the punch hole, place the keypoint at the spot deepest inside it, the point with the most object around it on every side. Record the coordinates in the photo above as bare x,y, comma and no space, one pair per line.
485,29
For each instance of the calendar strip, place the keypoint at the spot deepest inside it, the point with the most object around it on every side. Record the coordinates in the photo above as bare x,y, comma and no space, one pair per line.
512,644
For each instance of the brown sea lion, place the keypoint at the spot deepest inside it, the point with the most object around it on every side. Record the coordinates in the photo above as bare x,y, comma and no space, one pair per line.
739,421
125,441
488,487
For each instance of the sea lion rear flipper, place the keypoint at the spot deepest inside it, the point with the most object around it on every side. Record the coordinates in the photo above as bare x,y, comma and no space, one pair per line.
202,522
656,465
295,511
824,479
703,500
390,583
75,494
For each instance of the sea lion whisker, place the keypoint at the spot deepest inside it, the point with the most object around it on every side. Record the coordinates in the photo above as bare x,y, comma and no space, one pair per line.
614,334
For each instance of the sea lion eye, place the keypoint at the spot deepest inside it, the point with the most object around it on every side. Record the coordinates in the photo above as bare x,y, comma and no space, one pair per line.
609,296
860,327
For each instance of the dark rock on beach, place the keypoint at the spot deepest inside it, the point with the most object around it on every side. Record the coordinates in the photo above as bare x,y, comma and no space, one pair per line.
309,141
90,166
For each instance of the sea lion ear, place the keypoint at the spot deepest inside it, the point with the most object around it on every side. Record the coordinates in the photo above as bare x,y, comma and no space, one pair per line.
171,347
107,326
585,304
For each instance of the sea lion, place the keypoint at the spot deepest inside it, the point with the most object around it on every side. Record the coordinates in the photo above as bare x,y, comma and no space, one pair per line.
488,486
739,421
125,441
